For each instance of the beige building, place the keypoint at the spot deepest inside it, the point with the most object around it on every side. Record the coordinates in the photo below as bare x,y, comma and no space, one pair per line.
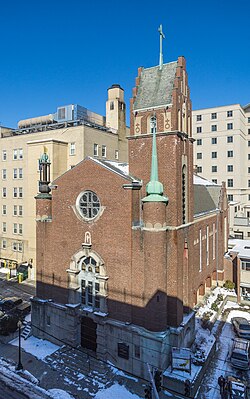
222,153
238,264
69,136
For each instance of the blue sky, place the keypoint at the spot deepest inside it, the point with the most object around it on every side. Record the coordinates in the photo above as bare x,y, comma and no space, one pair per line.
60,52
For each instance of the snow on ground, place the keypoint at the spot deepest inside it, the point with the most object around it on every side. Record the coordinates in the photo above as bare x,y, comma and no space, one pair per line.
28,317
212,298
121,373
230,305
4,270
114,392
59,394
40,348
221,365
238,313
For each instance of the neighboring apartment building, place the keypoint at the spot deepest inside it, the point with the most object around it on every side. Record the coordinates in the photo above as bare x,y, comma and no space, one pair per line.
124,253
69,135
222,153
237,267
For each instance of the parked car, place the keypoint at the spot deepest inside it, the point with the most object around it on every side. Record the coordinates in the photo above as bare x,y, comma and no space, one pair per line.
7,304
22,310
240,354
241,326
237,388
14,305
8,323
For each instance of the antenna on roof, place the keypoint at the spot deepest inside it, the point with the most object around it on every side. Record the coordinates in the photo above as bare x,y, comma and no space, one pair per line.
162,36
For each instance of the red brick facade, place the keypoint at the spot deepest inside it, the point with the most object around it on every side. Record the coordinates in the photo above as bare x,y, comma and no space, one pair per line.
155,261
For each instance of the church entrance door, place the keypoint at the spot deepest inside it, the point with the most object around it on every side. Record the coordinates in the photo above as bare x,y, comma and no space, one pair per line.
88,333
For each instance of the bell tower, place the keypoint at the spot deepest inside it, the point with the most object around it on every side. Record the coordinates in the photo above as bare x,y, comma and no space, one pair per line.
161,103
116,118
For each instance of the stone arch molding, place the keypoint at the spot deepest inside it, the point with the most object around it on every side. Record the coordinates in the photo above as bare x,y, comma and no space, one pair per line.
75,263
76,275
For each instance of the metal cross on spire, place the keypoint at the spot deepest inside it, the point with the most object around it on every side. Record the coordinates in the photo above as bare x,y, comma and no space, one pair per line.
162,36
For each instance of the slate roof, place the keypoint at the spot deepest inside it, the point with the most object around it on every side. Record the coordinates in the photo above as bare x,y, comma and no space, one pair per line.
156,86
206,196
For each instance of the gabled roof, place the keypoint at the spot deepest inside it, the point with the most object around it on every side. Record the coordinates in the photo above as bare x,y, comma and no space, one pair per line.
156,86
120,168
206,196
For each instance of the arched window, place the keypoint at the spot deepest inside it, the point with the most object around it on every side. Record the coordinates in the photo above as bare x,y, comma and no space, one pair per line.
153,124
89,280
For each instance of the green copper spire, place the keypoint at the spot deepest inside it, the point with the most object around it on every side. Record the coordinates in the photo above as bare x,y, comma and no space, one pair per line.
154,188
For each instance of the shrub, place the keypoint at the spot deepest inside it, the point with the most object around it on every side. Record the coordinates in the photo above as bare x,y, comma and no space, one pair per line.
207,315
214,307
219,298
229,285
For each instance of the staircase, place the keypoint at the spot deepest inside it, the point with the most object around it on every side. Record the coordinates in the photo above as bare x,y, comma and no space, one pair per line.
26,332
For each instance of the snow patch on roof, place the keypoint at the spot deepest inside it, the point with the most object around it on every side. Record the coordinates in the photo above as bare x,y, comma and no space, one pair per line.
242,247
198,180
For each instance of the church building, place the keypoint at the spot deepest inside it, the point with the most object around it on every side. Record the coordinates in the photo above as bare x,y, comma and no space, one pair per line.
125,251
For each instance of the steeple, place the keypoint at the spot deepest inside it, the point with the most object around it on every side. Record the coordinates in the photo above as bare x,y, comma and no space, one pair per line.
154,188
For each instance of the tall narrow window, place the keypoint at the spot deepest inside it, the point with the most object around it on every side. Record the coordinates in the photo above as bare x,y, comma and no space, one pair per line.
184,194
104,151
20,228
111,107
153,124
207,234
200,239
95,150
4,174
213,241
72,150
15,154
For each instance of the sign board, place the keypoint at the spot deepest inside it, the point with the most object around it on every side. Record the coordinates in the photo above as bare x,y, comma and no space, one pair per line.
181,359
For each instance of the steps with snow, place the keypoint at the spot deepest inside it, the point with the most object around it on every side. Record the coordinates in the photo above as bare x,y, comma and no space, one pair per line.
26,331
